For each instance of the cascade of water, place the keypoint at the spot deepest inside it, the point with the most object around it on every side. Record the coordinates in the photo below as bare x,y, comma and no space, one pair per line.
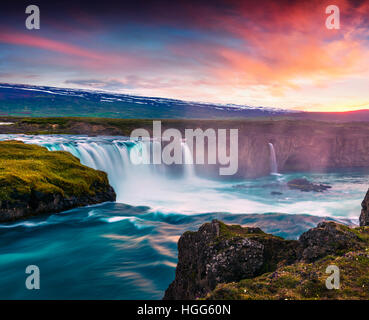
127,163
189,170
273,159
110,158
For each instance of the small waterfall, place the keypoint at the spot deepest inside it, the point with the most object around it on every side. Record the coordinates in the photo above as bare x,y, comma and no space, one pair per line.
273,160
189,169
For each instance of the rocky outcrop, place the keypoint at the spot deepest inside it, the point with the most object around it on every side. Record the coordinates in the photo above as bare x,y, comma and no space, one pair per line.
327,238
35,203
364,217
306,186
34,180
219,253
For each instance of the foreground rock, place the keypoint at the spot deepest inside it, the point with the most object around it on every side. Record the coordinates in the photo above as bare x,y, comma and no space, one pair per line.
223,257
220,253
364,217
327,238
34,180
306,185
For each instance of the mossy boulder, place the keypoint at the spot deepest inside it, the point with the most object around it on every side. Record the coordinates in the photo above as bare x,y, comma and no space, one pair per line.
328,238
303,280
34,180
222,261
219,253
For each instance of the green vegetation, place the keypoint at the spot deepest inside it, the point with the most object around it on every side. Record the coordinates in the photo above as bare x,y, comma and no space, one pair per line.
231,231
26,168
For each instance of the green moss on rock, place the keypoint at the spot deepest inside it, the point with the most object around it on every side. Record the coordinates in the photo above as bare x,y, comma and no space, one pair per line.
222,261
302,280
34,180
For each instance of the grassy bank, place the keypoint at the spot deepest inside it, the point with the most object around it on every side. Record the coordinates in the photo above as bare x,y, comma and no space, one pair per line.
33,179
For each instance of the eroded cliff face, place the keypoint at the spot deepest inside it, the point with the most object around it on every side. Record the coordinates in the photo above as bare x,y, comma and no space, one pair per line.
35,181
364,217
299,146
36,203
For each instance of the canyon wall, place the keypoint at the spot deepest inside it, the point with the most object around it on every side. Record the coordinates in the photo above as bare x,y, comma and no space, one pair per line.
301,146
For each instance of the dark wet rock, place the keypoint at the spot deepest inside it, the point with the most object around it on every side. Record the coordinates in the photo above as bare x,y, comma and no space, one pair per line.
35,203
275,185
306,185
364,217
276,193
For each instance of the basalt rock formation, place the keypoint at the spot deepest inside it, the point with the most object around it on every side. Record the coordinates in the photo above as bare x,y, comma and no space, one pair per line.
306,186
219,253
364,217
35,203
221,261
327,238
34,181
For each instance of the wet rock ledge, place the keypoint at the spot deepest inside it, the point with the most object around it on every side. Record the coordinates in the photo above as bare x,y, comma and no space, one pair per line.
34,181
222,261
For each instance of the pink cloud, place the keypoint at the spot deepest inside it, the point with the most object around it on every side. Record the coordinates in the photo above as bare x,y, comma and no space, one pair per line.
47,44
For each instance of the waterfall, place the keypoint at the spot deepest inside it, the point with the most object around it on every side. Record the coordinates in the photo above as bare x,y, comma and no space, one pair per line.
189,169
127,163
273,160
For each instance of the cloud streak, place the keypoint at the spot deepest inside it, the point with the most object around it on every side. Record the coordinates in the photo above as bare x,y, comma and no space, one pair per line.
47,44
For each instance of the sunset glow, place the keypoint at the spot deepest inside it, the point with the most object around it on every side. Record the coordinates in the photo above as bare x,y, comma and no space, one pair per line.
264,54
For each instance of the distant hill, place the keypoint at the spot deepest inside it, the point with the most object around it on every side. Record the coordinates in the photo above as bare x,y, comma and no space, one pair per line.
43,101
37,101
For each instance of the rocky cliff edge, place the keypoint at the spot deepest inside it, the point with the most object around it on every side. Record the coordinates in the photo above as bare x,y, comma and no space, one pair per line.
222,261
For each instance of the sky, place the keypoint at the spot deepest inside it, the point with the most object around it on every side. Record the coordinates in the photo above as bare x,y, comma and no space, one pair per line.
259,53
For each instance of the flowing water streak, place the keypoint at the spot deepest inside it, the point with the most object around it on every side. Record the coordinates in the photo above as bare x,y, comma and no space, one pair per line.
273,159
188,161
